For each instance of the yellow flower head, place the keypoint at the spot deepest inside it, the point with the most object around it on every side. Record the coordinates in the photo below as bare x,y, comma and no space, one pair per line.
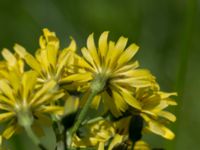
153,102
49,62
22,104
94,132
107,134
111,62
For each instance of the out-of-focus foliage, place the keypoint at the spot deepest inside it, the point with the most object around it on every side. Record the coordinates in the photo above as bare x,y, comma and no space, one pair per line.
167,31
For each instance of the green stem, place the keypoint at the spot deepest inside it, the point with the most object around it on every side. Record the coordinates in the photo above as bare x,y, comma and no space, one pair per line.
97,86
33,137
83,112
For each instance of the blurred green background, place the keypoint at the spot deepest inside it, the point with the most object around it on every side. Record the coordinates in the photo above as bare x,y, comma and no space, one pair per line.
167,32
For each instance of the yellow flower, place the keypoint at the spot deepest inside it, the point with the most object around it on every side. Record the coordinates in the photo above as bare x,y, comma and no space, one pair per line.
49,62
22,104
112,63
103,133
153,102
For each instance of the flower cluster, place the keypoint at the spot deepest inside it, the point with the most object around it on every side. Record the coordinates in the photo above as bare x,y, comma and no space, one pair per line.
101,99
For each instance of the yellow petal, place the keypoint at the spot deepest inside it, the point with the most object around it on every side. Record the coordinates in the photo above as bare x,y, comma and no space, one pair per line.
109,55
92,49
110,104
43,59
141,145
139,74
132,82
6,89
96,101
6,116
130,66
28,83
20,50
121,44
14,79
117,51
47,33
163,104
119,101
9,57
127,55
151,102
52,109
167,115
116,140
101,146
130,99
122,124
42,100
9,131
49,38
103,45
4,74
52,54
7,101
80,62
72,46
62,64
48,86
88,57
2,65
167,95
32,62
158,128
82,77
4,106
161,130
170,101
57,96
71,105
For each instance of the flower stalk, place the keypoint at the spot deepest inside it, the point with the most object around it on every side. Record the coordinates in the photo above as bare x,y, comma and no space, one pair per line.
96,87
33,137
25,119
